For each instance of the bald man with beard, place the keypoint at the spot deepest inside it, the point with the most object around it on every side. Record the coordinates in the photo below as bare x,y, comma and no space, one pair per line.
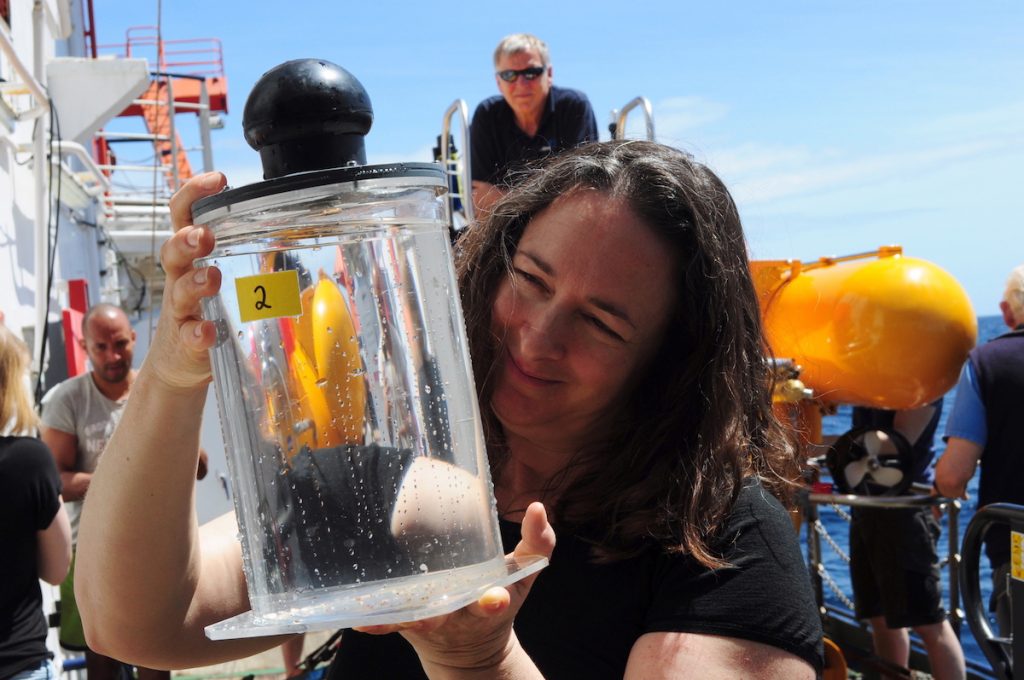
80,413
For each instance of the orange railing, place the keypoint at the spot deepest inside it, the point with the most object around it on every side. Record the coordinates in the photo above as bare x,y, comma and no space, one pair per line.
191,56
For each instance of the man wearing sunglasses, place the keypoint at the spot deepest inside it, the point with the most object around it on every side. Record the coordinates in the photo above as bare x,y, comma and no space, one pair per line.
530,119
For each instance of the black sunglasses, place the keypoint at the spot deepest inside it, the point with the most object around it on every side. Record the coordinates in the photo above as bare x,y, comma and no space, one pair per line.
511,75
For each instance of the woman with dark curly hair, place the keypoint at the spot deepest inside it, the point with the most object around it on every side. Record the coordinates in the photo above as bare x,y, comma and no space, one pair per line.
622,376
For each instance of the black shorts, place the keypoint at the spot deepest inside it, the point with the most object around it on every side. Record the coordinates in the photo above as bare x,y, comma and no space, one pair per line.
894,567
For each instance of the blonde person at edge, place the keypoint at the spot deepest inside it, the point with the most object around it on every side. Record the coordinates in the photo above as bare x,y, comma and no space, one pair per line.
36,533
625,395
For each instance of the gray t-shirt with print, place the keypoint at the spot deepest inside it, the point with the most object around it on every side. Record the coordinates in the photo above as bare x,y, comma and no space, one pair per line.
76,406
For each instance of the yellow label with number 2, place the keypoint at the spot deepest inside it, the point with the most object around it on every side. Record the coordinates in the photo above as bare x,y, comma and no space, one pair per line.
268,296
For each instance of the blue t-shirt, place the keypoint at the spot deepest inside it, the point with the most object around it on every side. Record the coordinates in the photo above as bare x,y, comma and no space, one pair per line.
967,418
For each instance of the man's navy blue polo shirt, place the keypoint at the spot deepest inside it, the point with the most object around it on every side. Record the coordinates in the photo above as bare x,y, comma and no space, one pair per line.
499,147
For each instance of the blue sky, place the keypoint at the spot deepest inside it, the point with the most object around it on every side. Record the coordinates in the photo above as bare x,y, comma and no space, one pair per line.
838,126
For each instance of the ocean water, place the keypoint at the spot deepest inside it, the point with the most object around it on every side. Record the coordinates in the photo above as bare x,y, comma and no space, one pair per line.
988,327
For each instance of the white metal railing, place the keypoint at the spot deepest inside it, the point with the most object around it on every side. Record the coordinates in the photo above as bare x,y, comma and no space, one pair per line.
130,209
92,181
459,168
27,82
620,115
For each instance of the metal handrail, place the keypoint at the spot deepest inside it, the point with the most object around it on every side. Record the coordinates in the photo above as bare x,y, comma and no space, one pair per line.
177,105
172,106
141,38
984,518
881,251
620,117
858,501
41,102
462,165
100,183
130,136
173,134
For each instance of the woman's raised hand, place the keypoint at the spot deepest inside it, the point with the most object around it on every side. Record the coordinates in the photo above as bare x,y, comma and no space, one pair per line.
178,356
479,637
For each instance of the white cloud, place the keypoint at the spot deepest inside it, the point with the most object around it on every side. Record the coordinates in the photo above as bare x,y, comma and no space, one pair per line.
750,159
677,114
676,117
759,173
1007,121
818,173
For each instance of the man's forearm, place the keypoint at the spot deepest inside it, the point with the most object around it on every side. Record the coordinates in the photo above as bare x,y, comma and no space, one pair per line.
485,195
74,484
956,467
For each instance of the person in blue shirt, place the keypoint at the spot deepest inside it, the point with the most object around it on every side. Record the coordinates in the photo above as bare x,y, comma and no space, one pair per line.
985,428
529,120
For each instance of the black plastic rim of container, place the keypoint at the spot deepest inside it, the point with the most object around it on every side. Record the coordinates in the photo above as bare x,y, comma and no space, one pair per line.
313,178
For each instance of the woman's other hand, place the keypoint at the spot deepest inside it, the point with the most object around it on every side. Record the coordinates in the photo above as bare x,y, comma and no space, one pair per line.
179,355
479,637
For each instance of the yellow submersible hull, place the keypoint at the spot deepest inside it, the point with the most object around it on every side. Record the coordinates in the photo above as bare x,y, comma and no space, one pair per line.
874,329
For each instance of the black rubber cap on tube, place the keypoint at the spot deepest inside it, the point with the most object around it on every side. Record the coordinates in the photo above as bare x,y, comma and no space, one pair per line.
307,114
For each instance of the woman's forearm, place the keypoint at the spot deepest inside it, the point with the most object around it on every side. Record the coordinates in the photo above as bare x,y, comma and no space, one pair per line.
137,561
148,581
145,585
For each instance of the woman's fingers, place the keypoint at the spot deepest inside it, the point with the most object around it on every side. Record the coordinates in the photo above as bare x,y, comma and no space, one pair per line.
199,186
193,332
188,241
179,251
187,284
492,603
538,538
538,535
178,356
185,290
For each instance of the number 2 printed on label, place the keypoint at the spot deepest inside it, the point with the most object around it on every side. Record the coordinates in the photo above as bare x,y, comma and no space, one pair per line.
268,296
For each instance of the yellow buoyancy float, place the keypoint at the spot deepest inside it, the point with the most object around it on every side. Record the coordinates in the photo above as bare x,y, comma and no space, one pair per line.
320,401
329,365
873,329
